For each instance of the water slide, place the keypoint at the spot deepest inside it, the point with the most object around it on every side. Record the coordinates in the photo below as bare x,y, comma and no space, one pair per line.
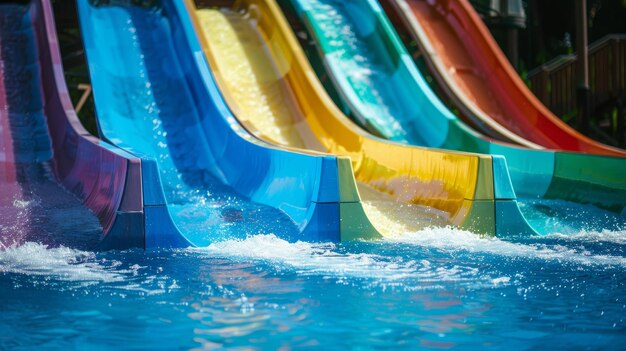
374,79
54,176
156,99
475,74
272,89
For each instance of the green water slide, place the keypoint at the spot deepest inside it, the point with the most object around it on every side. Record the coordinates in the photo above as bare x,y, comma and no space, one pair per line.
370,75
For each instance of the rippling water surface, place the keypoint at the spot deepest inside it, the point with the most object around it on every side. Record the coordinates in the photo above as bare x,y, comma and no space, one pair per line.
436,288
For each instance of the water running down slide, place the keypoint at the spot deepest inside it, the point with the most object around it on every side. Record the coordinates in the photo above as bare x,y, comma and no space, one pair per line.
156,100
375,80
475,74
55,177
267,82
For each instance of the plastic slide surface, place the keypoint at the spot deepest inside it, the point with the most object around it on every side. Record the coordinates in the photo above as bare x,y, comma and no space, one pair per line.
156,99
55,179
375,80
476,75
268,83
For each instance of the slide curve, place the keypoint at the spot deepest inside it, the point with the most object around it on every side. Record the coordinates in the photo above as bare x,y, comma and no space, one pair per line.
271,88
475,74
155,99
58,184
372,77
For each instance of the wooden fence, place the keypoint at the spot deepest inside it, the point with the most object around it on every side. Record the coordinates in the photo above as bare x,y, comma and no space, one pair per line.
554,83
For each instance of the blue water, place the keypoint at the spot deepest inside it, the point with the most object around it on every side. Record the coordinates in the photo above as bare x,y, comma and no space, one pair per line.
438,288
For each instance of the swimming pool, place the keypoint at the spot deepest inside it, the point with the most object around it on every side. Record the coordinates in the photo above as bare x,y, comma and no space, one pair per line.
437,288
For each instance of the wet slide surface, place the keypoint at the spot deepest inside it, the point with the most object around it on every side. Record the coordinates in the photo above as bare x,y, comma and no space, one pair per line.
33,205
369,77
365,61
465,52
372,83
146,107
264,101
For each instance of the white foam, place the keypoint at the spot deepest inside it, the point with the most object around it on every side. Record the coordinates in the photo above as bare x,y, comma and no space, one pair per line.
460,240
324,259
74,269
608,236
308,257
60,263
19,203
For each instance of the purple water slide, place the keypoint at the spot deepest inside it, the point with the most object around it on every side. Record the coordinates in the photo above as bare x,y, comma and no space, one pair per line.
56,180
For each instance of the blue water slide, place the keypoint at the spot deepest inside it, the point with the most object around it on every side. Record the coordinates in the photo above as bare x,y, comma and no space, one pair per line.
205,177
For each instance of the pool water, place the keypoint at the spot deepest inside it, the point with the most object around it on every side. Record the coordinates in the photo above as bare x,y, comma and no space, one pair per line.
435,288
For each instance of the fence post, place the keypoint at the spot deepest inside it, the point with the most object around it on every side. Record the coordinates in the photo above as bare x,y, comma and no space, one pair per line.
543,86
582,66
621,121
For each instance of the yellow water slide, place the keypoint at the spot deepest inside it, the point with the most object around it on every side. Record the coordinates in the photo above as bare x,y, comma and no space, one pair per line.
271,88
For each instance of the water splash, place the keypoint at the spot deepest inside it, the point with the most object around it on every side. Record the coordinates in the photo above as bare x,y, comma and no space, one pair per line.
65,268
449,239
350,263
604,236
61,264
565,217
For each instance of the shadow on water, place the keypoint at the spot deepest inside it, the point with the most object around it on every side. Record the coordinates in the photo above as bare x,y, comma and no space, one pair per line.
34,207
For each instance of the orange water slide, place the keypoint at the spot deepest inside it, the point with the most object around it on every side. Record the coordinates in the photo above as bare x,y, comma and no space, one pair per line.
475,74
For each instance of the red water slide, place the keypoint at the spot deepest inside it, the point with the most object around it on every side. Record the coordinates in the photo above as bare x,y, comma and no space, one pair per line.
475,74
